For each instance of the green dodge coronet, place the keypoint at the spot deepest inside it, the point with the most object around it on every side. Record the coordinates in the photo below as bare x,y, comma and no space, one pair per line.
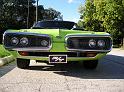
57,42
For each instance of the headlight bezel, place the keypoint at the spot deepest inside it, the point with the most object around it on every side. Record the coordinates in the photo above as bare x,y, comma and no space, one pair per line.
101,43
14,38
107,38
34,41
92,43
44,43
24,41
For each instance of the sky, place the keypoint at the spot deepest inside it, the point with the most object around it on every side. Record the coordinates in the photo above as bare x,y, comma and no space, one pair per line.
68,8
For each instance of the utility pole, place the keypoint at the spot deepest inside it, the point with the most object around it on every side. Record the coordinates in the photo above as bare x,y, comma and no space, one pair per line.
28,14
37,12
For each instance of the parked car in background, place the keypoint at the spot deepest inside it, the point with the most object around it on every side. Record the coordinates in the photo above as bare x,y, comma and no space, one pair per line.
57,42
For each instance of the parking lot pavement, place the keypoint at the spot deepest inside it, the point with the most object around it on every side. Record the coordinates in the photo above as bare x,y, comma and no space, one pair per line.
40,77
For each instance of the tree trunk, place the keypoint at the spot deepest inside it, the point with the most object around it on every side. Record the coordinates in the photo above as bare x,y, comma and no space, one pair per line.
123,42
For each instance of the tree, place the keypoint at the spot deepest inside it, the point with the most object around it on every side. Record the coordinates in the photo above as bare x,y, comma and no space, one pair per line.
88,16
51,14
105,15
14,13
111,12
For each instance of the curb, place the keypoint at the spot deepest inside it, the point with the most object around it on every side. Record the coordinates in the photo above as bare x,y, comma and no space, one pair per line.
6,60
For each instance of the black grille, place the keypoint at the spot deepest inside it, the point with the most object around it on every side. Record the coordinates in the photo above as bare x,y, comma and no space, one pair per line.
83,43
46,54
34,40
69,54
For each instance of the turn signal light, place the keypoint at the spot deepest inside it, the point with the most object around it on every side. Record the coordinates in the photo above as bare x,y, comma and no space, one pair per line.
91,54
23,53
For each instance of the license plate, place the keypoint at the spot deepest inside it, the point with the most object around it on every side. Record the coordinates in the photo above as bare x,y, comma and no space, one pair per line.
57,58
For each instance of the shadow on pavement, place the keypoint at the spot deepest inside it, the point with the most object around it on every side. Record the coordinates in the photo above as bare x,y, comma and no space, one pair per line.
110,67
7,68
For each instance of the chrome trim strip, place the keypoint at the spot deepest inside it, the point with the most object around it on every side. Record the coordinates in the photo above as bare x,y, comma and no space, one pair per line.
82,50
48,57
91,35
32,49
29,48
27,33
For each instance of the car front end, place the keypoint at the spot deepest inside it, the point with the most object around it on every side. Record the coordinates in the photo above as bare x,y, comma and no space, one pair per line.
57,45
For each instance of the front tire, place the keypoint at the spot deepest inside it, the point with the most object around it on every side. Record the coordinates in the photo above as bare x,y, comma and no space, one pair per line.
23,63
92,64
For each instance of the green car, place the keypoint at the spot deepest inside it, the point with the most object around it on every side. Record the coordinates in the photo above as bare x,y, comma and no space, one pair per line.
57,42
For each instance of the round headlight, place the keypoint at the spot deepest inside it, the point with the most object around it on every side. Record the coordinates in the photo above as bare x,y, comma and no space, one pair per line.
92,43
101,43
14,41
24,41
44,43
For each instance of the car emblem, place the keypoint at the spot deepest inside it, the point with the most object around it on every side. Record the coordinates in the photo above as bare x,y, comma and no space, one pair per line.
58,59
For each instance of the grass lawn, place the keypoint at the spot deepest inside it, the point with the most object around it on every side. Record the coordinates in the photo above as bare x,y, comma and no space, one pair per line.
3,52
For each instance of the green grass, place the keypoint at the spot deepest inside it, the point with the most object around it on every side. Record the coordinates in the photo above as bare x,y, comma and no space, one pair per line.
3,52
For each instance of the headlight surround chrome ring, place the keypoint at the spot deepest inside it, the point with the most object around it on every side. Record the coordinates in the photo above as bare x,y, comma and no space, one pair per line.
101,43
44,43
24,41
14,41
92,43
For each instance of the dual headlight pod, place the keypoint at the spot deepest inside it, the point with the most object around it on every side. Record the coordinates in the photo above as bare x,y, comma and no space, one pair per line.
25,41
93,43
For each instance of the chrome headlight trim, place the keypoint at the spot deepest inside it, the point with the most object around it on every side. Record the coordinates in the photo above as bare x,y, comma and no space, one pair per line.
44,43
92,43
14,41
24,41
28,48
92,35
101,43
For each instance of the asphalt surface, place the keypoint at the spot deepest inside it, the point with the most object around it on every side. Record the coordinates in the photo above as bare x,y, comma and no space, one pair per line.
40,77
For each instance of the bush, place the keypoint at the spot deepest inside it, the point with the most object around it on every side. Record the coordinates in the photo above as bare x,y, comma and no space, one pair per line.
3,52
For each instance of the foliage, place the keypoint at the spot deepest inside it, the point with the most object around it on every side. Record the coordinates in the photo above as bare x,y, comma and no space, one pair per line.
80,24
111,12
50,14
104,15
3,52
14,13
88,16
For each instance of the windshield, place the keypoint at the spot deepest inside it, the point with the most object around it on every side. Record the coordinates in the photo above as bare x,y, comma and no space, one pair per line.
54,25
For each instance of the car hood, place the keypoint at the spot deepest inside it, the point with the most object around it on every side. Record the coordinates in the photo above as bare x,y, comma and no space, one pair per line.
58,35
